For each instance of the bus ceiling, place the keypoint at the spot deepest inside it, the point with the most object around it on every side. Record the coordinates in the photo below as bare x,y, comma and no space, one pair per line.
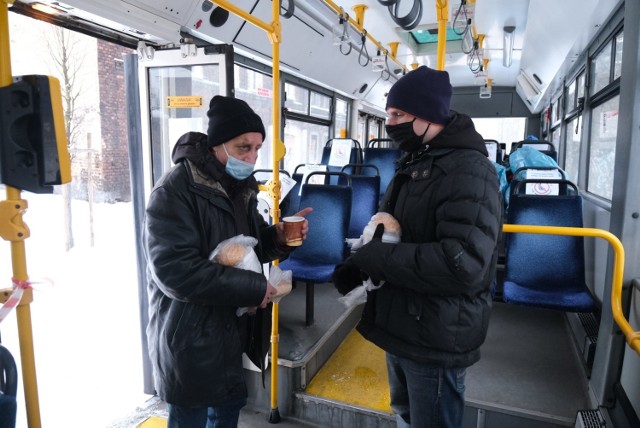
526,44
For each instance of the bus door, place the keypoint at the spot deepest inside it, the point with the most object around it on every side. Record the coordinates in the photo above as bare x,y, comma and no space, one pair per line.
168,94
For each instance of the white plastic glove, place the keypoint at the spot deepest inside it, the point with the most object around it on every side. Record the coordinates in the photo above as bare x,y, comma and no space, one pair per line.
281,280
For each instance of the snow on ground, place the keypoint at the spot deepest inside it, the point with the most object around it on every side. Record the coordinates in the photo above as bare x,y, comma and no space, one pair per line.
86,323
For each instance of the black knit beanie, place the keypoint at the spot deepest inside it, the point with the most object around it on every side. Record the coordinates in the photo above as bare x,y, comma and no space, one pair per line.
424,93
230,117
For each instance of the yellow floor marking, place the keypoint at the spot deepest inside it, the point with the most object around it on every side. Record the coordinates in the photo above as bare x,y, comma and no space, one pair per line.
355,374
153,422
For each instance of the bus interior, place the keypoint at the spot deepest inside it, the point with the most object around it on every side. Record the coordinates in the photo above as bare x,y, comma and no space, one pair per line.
560,77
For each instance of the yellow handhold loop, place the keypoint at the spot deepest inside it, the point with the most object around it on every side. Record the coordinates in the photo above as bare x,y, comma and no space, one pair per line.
359,10
394,48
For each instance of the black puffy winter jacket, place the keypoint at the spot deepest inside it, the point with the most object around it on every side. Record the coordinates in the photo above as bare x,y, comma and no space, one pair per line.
434,307
195,342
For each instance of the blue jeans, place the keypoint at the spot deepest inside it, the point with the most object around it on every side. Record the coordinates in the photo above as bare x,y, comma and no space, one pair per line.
425,396
223,416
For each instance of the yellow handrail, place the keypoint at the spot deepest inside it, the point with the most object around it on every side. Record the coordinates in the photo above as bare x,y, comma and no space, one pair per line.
274,32
13,207
442,12
632,337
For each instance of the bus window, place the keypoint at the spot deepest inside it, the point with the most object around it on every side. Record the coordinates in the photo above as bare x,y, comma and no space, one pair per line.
304,142
601,69
341,126
572,153
256,89
602,150
505,129
320,106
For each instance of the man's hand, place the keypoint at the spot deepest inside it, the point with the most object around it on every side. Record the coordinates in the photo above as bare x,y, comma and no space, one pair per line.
367,257
346,276
268,296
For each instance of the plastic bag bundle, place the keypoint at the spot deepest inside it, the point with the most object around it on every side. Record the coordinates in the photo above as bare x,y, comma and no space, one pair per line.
282,281
392,234
238,252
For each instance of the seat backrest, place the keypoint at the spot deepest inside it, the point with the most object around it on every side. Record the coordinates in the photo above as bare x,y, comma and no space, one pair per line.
541,263
386,161
365,192
380,143
264,175
545,147
495,152
355,156
539,174
292,200
328,222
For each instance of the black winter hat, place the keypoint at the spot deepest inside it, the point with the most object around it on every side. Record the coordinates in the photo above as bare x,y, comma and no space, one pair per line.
424,93
230,117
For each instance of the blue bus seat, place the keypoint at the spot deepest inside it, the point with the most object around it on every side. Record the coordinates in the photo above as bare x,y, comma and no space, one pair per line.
386,161
543,146
291,202
325,246
546,270
495,151
365,191
386,143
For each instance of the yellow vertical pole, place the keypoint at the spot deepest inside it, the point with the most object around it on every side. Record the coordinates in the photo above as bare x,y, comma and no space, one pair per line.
278,151
18,256
274,32
442,12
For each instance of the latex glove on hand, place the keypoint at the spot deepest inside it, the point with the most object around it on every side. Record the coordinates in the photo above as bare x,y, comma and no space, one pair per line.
282,280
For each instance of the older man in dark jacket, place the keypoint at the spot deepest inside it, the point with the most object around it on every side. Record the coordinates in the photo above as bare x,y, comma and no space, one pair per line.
196,339
432,313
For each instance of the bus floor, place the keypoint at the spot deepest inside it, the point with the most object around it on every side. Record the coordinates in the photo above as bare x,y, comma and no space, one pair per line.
529,374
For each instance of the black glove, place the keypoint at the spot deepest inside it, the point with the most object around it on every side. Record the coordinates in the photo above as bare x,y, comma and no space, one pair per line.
346,276
367,257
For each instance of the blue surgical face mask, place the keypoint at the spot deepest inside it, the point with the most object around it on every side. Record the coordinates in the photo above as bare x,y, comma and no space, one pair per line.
237,168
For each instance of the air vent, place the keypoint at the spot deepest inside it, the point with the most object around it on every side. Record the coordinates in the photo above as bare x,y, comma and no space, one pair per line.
530,89
589,419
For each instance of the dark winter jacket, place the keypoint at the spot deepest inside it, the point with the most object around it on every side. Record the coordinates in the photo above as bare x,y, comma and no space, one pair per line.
195,338
434,307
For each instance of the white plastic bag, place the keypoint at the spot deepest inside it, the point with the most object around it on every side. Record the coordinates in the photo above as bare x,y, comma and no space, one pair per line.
238,252
392,234
282,281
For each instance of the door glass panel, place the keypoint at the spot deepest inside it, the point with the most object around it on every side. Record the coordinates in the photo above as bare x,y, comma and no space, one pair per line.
178,103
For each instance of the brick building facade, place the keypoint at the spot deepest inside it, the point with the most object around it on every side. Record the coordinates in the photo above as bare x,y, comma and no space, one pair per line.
111,163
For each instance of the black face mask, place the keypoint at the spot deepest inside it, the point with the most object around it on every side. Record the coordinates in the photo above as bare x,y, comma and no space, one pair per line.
404,137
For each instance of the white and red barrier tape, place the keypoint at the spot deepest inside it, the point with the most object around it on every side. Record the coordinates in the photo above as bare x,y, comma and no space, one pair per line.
14,299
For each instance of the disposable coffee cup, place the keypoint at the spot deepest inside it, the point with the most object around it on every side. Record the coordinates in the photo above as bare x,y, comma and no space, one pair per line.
293,230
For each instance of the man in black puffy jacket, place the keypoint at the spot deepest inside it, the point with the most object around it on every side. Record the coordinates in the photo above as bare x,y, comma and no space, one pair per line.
432,313
196,340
